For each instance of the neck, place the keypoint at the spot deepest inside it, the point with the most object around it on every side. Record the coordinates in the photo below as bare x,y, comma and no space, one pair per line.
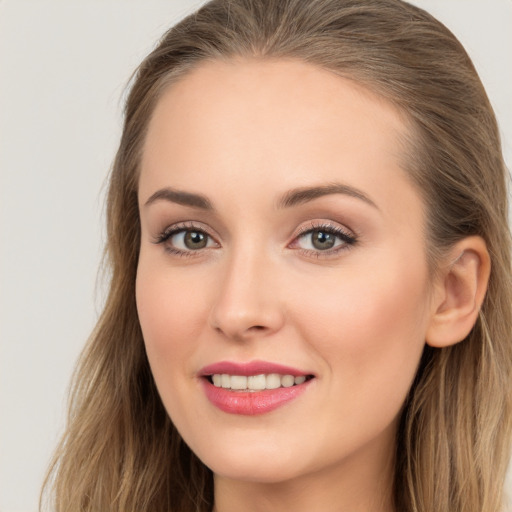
361,483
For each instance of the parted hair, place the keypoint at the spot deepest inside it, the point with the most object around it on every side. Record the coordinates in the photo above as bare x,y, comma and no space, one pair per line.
121,452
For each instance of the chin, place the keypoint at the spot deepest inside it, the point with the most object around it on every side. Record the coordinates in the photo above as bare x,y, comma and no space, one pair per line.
259,470
272,462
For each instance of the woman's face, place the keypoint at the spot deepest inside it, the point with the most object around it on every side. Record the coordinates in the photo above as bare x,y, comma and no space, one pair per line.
282,248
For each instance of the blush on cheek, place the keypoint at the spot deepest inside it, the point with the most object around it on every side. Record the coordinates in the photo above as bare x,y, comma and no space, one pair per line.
168,317
370,324
155,315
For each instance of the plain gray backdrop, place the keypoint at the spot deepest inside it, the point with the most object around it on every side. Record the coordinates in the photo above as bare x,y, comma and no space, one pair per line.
63,68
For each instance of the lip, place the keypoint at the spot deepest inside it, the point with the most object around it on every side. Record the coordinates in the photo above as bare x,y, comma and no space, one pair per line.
250,368
250,403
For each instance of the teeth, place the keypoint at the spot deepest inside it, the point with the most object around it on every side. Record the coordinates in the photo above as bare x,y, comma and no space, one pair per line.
238,382
225,381
256,382
287,381
273,381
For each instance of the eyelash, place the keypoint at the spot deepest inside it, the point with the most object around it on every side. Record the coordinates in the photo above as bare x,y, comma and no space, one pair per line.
348,240
169,232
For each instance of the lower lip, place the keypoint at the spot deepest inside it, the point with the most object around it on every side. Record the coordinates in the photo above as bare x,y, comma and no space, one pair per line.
250,403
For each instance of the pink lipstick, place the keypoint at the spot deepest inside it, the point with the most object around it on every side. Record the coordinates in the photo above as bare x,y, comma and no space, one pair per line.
252,388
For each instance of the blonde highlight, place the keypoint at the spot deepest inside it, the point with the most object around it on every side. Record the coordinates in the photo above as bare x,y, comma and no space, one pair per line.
121,451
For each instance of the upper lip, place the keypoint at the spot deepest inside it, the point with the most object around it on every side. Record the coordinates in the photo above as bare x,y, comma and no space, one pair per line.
250,368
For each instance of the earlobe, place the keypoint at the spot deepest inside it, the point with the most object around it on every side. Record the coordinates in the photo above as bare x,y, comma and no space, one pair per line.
460,292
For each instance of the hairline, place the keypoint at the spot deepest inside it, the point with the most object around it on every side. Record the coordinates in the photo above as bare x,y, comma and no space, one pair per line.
410,142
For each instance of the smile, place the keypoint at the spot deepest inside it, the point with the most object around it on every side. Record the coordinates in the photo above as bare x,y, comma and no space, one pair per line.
255,382
257,387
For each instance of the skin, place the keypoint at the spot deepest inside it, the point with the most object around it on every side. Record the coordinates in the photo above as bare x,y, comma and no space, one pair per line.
244,134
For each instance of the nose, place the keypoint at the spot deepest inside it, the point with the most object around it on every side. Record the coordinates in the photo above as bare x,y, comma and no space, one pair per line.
247,303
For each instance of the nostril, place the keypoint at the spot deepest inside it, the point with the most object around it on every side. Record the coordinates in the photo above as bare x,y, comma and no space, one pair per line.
256,328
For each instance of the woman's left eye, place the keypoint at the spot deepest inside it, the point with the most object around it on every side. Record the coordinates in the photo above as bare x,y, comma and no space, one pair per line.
324,239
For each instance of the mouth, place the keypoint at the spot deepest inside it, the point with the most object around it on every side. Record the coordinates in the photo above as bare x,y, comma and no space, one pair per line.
253,383
252,388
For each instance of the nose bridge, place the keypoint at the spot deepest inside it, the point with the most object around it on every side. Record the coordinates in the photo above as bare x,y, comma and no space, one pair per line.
247,303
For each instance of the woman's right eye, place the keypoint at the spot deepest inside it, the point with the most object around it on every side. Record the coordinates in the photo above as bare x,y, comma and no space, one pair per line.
186,240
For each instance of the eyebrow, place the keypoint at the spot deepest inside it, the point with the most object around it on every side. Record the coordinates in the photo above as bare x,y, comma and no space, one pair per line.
180,197
303,195
292,198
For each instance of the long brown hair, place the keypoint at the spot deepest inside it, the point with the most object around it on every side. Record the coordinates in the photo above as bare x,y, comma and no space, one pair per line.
121,451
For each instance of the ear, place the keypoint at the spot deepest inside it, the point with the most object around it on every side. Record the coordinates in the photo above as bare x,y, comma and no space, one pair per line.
460,289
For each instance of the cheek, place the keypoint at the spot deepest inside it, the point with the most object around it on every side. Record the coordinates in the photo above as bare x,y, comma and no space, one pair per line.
370,329
171,312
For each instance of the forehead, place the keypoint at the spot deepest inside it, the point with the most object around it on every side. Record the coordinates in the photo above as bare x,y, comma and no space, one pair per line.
281,123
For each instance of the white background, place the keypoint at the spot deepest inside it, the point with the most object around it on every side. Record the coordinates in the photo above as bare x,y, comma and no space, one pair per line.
63,68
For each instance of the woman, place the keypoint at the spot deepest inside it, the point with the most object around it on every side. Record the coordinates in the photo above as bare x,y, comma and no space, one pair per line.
310,295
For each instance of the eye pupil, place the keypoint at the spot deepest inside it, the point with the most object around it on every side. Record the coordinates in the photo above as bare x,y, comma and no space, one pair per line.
322,240
195,240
